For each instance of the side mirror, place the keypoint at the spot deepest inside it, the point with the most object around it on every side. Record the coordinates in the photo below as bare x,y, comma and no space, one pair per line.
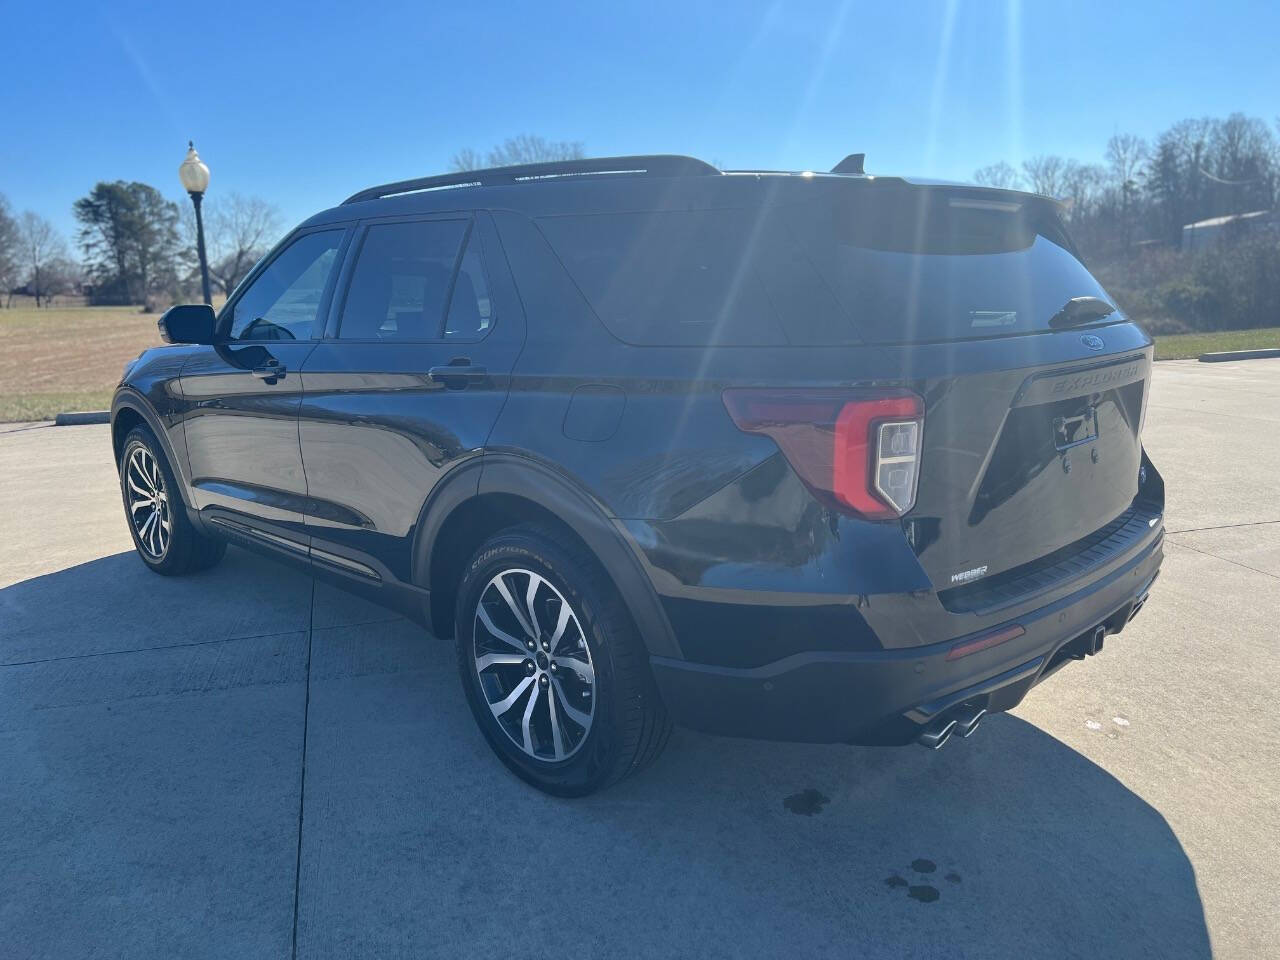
188,323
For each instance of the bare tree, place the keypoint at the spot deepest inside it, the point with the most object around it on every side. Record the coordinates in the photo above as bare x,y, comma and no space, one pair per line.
58,277
1127,154
526,148
241,230
1045,173
1082,185
466,159
1245,163
39,245
10,250
998,175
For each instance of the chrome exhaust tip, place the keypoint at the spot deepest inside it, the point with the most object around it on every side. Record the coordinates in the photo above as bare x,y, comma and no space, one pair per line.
968,726
937,733
962,720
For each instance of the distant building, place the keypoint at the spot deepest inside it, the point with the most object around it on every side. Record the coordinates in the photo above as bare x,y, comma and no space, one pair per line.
1204,234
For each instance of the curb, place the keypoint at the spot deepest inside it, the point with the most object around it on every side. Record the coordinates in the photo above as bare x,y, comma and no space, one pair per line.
1238,355
81,418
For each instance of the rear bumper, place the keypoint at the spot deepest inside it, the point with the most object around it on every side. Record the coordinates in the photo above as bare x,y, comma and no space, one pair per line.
888,696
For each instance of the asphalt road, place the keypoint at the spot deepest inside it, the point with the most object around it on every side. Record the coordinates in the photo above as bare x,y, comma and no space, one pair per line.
247,763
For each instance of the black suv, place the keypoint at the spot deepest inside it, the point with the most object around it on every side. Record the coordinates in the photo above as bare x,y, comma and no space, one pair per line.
817,457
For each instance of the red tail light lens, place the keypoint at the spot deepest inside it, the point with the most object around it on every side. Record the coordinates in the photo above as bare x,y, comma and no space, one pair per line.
858,450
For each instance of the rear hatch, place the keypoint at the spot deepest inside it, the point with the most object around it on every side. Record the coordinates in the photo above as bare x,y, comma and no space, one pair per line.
1034,386
1032,406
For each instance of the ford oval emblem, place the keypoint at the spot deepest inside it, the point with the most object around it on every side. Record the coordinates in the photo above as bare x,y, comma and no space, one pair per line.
1092,342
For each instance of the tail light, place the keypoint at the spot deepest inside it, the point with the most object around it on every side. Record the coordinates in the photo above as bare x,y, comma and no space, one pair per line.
857,450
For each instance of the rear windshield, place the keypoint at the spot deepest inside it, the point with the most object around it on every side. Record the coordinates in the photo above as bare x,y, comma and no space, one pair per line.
883,265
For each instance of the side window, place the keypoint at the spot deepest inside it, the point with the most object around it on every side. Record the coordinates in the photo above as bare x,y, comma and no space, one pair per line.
283,300
400,283
470,312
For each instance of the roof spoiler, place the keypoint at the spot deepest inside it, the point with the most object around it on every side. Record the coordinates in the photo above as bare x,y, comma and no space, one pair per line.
657,165
852,165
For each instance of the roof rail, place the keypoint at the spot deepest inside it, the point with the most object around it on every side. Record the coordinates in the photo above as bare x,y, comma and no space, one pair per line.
658,165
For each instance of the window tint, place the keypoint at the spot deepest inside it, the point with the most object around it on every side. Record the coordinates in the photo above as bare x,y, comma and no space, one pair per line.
469,311
283,300
877,265
937,264
401,281
669,277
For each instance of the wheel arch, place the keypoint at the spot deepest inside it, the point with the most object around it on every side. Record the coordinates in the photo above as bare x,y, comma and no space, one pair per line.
129,410
506,491
125,419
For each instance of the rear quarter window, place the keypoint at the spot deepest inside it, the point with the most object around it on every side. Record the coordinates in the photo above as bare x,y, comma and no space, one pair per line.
693,277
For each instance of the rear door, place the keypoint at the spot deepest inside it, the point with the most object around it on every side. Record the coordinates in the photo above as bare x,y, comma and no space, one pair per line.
406,385
242,393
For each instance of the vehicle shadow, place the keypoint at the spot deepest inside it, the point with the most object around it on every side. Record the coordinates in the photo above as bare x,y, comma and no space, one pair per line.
416,842
1009,844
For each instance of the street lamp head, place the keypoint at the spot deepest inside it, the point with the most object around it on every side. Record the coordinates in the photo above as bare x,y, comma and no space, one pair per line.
193,173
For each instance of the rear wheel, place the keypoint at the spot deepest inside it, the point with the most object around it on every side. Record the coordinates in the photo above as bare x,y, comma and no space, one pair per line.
164,536
553,668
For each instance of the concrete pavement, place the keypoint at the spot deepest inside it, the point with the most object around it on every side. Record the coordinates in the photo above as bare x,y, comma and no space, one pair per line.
248,763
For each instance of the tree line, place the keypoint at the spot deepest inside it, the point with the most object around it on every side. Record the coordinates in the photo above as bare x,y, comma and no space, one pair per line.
137,246
1144,192
1126,213
1127,216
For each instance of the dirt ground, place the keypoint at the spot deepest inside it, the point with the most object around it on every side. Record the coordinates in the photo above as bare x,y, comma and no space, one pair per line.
66,357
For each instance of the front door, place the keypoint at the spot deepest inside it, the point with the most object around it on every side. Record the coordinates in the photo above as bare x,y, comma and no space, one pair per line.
407,384
242,393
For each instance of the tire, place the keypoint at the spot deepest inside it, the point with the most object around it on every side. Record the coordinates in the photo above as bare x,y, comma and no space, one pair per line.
597,668
148,487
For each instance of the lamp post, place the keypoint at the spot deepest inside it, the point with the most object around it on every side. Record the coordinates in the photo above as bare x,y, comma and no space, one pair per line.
195,179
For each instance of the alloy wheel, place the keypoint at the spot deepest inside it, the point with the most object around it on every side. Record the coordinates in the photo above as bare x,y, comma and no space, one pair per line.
534,665
148,502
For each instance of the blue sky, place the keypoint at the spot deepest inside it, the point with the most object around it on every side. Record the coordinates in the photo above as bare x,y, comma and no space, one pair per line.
305,103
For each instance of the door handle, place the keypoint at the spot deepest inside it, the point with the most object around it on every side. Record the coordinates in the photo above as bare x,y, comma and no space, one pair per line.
458,370
271,371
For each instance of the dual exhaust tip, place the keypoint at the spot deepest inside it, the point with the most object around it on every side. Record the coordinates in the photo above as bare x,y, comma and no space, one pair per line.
961,721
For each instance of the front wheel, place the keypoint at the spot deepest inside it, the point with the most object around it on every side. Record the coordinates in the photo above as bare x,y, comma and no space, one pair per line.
163,534
554,671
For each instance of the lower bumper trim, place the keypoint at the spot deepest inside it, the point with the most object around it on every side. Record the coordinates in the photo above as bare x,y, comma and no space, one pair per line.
890,696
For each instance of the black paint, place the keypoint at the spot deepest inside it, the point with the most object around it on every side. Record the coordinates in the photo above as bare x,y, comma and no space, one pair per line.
356,449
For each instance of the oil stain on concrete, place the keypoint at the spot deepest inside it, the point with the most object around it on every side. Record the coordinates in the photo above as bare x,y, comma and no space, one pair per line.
921,892
807,802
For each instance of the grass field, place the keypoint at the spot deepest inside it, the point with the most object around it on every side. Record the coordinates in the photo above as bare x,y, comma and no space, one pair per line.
70,358
1186,345
66,358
